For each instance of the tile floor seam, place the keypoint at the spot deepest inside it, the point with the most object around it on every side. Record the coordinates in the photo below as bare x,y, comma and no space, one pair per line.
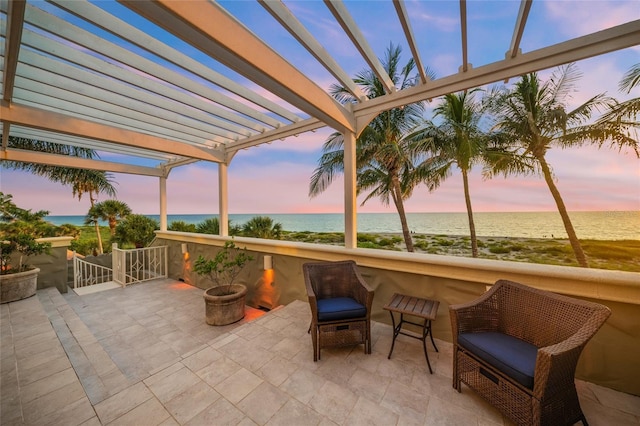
15,368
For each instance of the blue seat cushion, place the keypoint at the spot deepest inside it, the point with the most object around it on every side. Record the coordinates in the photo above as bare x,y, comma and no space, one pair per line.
510,355
340,308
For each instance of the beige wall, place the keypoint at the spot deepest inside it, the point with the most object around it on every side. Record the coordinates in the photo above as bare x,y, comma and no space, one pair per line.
610,358
53,266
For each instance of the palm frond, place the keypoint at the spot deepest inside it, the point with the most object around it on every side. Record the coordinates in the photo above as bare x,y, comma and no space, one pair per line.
631,79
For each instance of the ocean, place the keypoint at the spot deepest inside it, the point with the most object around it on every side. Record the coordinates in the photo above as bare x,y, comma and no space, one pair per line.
602,225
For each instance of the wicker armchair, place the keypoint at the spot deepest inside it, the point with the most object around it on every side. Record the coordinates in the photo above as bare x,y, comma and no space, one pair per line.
340,303
518,348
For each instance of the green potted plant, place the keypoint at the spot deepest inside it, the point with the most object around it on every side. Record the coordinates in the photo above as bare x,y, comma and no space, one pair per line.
18,232
225,301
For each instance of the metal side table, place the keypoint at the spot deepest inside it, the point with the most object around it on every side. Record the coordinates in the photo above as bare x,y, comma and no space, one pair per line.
426,309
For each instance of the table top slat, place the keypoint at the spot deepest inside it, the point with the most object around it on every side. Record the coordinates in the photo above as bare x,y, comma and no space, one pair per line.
417,306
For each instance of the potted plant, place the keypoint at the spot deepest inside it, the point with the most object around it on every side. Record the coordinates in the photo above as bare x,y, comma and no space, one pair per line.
225,301
18,233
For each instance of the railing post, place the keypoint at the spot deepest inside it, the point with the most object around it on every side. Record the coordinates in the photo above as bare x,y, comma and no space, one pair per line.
75,270
165,266
115,264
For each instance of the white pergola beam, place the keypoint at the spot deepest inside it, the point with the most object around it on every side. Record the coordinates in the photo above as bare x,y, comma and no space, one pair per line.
198,108
77,162
42,135
98,93
463,34
123,111
403,16
349,26
111,50
75,108
605,41
62,123
232,44
120,28
521,21
15,22
284,16
308,125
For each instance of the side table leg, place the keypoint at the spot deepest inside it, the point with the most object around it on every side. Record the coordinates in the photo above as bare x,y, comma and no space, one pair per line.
426,328
431,336
395,333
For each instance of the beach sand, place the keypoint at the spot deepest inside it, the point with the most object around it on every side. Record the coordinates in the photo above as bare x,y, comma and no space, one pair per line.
621,255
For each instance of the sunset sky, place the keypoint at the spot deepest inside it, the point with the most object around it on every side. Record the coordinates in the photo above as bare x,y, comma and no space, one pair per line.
275,178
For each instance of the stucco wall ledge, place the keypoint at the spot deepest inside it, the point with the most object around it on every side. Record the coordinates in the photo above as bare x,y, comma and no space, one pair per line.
591,283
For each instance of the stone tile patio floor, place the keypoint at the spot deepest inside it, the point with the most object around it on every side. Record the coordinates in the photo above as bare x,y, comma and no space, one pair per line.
143,355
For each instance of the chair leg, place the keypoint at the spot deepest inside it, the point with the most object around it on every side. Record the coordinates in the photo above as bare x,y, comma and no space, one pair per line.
314,338
456,379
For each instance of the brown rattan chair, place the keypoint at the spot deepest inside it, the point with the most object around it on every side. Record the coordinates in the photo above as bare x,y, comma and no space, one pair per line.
340,303
532,341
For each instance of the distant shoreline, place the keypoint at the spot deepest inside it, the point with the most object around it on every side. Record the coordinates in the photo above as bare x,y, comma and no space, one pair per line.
588,225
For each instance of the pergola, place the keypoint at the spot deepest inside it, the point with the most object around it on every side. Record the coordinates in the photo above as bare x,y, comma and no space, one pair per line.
111,79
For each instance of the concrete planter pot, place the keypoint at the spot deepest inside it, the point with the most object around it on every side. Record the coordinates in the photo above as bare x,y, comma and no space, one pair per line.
225,304
19,285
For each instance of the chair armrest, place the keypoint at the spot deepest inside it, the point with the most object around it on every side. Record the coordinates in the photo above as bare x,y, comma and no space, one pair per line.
363,293
556,364
313,301
480,314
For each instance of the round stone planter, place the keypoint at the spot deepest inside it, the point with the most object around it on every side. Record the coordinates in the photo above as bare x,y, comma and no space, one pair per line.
18,286
223,308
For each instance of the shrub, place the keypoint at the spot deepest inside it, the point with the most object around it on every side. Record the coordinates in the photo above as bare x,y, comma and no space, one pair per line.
181,226
85,247
136,229
262,227
499,249
367,238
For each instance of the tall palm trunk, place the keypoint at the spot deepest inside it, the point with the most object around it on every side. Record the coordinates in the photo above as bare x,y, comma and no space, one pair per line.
96,225
573,238
397,200
112,225
472,225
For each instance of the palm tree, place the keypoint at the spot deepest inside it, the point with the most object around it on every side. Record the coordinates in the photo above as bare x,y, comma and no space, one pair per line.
81,180
262,227
383,163
457,139
212,226
111,211
209,226
92,182
531,118
622,117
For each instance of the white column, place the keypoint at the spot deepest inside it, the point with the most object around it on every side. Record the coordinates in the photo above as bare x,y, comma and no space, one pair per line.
223,199
163,203
350,211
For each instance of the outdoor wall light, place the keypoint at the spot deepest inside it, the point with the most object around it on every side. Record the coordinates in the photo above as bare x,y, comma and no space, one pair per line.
268,262
183,246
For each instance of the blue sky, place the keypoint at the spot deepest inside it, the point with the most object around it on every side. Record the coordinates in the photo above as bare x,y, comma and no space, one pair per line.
274,178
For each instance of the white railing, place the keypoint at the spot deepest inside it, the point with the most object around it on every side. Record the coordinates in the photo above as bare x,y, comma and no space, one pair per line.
87,273
138,265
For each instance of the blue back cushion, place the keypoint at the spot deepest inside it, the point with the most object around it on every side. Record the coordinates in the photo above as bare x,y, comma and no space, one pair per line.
340,308
510,355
